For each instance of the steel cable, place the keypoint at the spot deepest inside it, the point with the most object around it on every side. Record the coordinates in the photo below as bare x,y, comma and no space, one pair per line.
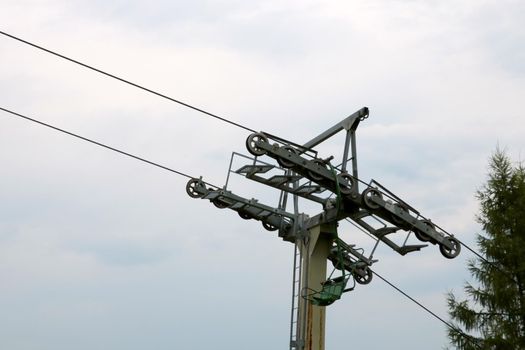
100,144
126,81
448,324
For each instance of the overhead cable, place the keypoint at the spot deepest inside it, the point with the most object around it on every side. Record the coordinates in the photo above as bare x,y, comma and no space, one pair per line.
206,113
127,81
99,144
481,257
448,324
469,338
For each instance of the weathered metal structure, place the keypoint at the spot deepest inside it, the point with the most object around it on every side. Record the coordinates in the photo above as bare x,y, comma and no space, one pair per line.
298,171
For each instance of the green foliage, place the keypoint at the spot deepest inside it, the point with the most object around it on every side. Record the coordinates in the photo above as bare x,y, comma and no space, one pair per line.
493,315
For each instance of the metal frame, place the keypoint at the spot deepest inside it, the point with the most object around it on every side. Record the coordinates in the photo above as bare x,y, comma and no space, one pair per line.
306,175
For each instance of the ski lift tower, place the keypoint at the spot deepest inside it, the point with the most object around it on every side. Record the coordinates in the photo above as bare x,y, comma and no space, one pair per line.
298,171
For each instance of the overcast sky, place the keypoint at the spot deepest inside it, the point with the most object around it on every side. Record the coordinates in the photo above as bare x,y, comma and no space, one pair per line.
100,251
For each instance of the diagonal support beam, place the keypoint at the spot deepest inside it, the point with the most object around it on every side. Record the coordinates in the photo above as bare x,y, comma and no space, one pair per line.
349,123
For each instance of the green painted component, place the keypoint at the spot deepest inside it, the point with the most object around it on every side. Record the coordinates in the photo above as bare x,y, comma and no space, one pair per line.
333,288
332,291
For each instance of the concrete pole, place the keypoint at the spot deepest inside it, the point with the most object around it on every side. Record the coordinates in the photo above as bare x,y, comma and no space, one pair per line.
314,253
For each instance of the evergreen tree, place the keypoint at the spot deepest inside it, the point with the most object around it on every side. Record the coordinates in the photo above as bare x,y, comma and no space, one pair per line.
493,315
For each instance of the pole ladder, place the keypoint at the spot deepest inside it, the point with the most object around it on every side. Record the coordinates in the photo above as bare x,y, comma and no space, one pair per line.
296,342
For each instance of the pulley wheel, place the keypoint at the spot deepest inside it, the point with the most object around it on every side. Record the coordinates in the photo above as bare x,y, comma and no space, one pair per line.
450,253
422,236
269,227
245,215
365,278
220,204
370,193
285,162
191,188
346,183
319,164
251,143
396,219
